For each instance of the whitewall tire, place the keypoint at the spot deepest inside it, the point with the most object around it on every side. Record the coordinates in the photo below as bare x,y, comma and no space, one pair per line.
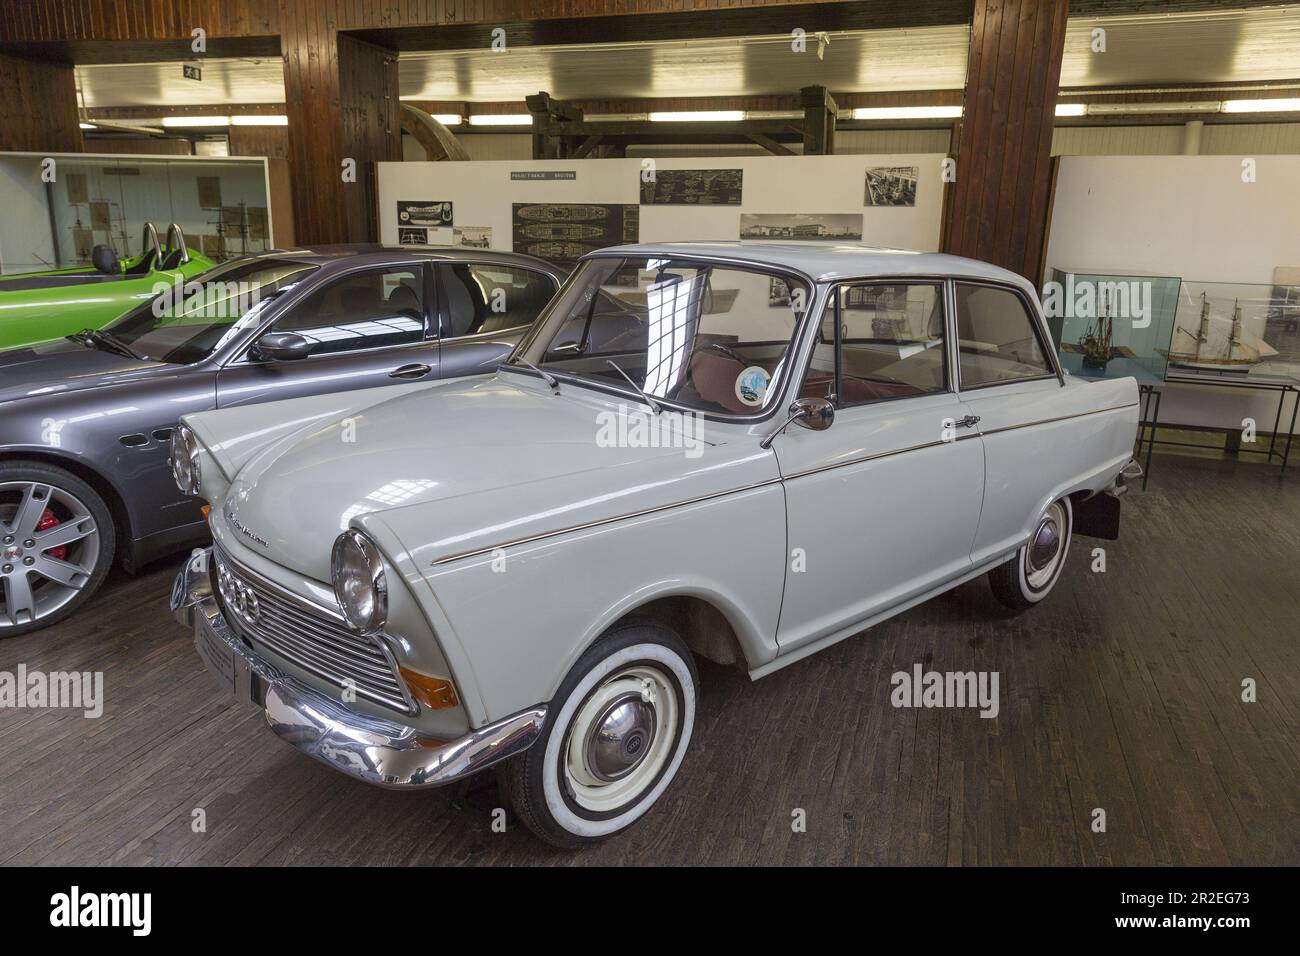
1024,580
614,738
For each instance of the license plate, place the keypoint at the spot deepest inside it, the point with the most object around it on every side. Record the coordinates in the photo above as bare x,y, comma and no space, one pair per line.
216,654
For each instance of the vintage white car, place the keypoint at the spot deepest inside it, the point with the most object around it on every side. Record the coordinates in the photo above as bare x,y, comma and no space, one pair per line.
745,451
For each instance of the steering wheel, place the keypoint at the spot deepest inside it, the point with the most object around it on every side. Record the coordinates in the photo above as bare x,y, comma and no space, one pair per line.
728,351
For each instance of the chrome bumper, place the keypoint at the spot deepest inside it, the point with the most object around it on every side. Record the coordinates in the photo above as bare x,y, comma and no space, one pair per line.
381,752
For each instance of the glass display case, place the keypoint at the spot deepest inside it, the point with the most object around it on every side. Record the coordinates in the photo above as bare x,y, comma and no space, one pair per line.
1235,332
1107,325
60,206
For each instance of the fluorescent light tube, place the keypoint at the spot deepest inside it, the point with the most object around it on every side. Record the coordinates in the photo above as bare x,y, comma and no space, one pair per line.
906,112
698,116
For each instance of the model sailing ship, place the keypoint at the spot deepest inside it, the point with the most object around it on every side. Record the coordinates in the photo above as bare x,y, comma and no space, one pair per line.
1218,345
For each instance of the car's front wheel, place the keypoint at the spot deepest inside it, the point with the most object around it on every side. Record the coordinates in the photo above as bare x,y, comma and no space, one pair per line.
1024,580
614,737
56,545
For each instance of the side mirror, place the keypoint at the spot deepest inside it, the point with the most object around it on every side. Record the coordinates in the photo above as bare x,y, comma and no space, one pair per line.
281,347
815,413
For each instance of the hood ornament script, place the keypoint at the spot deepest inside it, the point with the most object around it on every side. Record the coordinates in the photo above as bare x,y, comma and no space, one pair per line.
241,528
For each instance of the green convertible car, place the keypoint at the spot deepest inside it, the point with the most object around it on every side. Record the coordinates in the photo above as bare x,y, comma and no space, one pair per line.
38,306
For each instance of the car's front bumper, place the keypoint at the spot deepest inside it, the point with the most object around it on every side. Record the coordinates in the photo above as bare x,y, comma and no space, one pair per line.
382,752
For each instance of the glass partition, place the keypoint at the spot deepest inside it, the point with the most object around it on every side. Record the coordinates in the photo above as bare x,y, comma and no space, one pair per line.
59,207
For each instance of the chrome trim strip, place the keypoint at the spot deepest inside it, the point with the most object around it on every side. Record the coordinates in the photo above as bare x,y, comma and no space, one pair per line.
883,454
479,552
1061,418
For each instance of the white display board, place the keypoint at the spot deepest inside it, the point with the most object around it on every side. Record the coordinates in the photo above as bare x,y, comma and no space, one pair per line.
483,194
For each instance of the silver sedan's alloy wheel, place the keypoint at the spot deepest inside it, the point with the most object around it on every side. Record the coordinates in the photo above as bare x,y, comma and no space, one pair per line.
49,550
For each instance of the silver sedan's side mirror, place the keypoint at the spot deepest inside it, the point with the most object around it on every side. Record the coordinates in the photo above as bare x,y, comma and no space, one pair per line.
815,413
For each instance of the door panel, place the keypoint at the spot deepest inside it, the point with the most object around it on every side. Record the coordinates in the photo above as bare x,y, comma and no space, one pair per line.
882,507
367,328
252,382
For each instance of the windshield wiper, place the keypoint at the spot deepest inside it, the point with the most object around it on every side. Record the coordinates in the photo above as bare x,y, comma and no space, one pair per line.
547,377
104,341
654,406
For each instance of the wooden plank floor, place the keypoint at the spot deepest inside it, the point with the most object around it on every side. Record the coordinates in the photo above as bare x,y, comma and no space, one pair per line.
1121,692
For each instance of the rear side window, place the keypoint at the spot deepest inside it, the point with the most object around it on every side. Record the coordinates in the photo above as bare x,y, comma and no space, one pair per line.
996,337
487,297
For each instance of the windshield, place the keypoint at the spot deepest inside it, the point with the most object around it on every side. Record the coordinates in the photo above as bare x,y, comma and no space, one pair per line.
185,323
708,337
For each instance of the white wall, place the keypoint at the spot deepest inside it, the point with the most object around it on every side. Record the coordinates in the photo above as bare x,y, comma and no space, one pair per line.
483,194
1191,217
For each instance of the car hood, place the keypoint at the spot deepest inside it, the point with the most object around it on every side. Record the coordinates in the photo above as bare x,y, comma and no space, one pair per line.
450,446
49,368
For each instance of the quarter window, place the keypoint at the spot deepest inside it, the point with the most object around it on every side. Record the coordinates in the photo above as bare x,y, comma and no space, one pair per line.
996,337
890,344
365,310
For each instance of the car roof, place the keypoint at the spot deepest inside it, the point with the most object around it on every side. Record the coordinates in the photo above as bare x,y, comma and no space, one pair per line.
362,252
829,261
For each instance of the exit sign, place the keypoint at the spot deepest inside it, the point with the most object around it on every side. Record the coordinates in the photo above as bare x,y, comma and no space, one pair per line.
192,72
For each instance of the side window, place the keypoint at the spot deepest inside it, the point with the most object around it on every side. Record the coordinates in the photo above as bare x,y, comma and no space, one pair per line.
487,297
996,337
891,343
365,310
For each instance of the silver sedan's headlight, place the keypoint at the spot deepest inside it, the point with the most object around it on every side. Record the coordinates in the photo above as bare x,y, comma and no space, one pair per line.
359,583
185,460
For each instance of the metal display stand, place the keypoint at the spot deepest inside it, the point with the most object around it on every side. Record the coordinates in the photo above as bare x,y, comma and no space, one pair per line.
1282,384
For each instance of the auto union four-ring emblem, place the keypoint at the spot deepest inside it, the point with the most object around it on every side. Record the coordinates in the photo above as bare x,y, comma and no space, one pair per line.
238,596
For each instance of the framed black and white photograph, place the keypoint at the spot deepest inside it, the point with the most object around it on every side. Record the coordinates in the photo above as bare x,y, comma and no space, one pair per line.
891,186
818,227
412,236
435,214
693,187
475,237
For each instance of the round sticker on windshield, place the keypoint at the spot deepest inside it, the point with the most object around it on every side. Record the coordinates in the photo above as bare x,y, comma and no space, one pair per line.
751,385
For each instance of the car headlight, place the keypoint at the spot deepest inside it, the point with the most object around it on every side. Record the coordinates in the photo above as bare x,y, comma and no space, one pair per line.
359,583
185,460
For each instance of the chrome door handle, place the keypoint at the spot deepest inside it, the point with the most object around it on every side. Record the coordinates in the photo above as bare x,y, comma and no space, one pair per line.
970,421
410,371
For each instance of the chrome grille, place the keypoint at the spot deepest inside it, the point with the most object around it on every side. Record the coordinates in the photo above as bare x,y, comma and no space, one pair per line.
307,636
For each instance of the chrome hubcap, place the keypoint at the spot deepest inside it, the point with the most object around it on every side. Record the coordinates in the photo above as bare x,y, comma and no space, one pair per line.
49,546
1045,552
1045,544
621,737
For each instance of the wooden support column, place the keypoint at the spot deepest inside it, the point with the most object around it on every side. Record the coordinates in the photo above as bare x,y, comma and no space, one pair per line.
998,205
819,112
341,97
38,111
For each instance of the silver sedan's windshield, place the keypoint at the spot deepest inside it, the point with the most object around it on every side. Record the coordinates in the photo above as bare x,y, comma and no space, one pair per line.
706,336
184,323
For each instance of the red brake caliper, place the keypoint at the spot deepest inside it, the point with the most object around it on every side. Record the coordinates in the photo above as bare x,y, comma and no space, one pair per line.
49,521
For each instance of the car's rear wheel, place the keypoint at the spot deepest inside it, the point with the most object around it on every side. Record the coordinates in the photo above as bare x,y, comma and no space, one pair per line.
1024,580
56,545
614,737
